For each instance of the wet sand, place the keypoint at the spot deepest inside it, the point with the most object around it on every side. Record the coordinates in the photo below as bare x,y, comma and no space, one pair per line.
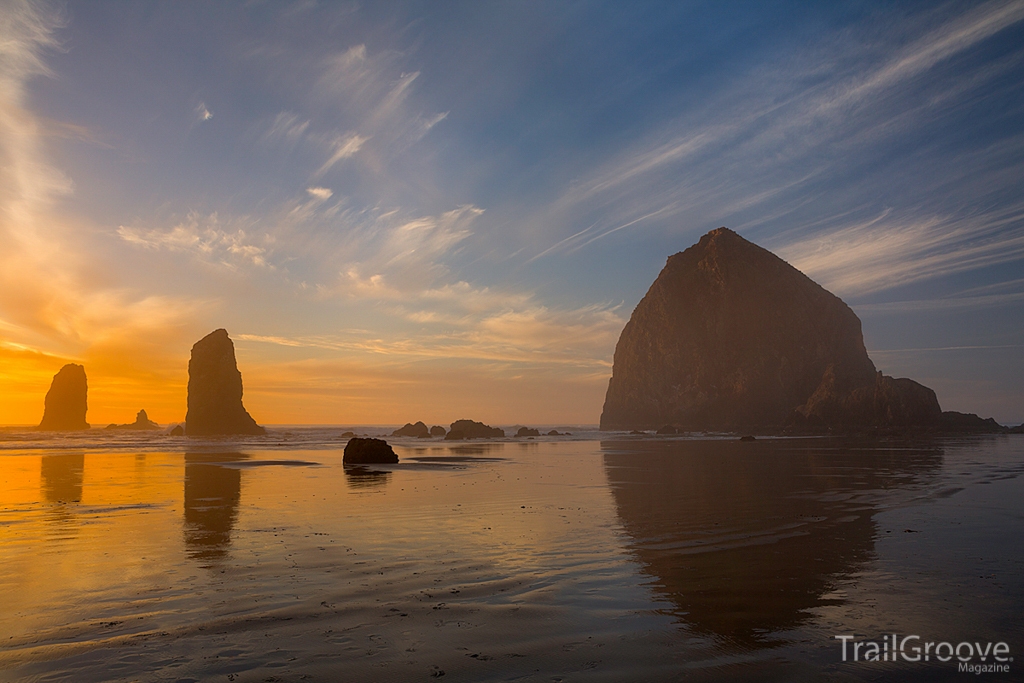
611,560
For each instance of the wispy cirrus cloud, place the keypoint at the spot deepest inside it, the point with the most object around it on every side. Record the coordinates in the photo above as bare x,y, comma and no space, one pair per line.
761,151
202,236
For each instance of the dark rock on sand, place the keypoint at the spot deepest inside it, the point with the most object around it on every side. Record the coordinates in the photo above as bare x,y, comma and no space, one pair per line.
468,429
368,451
952,421
748,437
527,431
65,404
438,430
142,422
732,337
177,430
215,390
418,430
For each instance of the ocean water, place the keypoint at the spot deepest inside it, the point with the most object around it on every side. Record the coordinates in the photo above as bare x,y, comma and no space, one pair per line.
594,557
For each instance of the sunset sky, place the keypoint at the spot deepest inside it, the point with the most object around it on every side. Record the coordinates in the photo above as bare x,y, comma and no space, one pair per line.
432,211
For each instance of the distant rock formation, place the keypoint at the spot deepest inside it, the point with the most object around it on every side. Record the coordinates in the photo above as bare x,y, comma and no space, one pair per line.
438,430
66,401
527,431
176,430
418,430
553,432
142,421
368,451
215,390
953,421
732,337
468,429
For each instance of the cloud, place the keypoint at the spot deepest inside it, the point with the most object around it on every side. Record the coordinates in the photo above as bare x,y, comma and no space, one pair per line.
344,147
202,236
321,193
781,143
286,127
202,113
888,251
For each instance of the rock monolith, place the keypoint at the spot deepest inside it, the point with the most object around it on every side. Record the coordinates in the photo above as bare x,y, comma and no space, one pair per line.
66,401
215,390
732,337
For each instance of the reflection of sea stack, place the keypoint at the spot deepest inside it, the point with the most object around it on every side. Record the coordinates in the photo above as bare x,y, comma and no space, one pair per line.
215,390
65,403
731,336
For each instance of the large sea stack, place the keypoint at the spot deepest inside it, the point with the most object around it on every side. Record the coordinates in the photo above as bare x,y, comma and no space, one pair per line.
65,404
215,390
732,337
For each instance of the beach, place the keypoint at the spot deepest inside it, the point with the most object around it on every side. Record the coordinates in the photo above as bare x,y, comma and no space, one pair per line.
597,557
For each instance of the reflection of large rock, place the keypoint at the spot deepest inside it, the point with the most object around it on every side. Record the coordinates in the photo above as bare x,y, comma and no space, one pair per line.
215,390
730,336
469,429
368,451
142,422
212,495
65,403
746,540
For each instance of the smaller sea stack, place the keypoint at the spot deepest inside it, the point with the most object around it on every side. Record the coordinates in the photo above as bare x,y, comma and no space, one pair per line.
215,390
66,404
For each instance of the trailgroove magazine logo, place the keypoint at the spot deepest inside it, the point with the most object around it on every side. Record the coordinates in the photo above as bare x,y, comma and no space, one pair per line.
971,657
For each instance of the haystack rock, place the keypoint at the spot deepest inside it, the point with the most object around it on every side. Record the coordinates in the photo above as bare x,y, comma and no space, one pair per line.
65,404
142,421
215,390
730,336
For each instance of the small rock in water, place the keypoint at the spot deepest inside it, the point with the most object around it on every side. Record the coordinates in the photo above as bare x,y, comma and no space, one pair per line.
527,431
368,451
438,430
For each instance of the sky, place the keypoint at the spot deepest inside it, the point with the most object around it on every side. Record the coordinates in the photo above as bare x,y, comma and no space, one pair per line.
409,211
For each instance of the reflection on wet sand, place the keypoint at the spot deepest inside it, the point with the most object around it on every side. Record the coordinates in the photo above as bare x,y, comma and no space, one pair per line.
363,478
212,495
745,538
60,477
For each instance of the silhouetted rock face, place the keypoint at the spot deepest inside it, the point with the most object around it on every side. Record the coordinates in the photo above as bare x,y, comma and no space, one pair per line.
527,431
418,430
438,430
368,451
65,404
215,390
953,421
142,421
731,336
468,429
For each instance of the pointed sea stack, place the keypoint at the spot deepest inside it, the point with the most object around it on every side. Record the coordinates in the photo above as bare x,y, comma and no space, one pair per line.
732,337
215,390
66,401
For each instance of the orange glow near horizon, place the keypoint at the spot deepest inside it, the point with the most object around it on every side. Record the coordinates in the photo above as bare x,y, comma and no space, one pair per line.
309,391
